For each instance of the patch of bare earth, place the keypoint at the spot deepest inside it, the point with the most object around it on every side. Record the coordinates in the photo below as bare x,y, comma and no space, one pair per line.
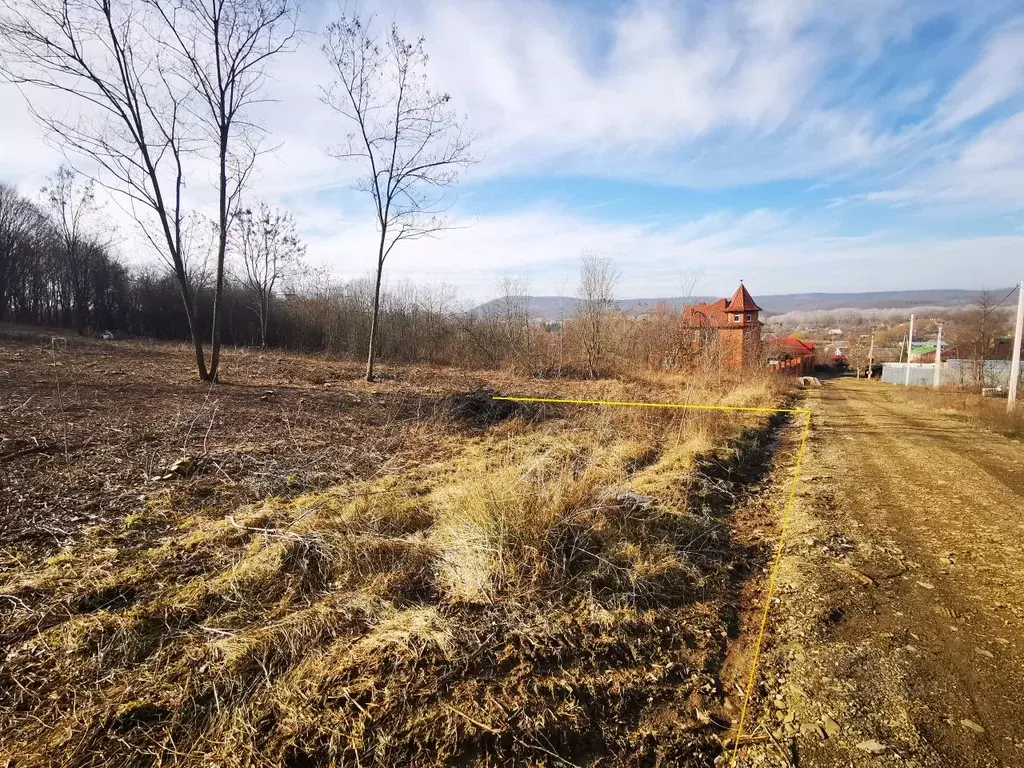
297,568
899,635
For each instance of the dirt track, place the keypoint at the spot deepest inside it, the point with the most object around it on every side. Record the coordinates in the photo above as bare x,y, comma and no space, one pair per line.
901,612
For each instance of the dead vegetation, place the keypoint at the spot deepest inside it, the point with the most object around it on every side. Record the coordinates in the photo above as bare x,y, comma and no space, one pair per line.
479,584
967,404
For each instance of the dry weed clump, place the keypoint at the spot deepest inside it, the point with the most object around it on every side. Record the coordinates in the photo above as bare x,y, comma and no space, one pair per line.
546,593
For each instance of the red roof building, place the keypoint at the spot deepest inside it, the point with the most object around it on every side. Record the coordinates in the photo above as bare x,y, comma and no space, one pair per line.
731,324
791,355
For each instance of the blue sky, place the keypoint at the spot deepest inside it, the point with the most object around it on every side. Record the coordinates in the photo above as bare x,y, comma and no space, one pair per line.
806,145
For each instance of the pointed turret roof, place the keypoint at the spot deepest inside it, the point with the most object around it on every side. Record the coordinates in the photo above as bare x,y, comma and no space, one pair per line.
742,301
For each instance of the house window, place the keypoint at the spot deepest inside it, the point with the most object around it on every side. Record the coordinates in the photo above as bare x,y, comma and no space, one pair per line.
746,335
736,317
748,317
712,315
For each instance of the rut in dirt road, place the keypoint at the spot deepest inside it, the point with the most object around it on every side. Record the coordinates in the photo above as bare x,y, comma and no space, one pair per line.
902,589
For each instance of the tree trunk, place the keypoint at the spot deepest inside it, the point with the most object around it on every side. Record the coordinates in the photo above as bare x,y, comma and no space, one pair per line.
218,291
373,325
376,308
190,303
264,318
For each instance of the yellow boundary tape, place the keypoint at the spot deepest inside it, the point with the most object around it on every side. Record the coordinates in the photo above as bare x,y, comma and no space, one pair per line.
782,533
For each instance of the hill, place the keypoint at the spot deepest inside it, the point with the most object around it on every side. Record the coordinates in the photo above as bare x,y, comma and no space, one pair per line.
553,307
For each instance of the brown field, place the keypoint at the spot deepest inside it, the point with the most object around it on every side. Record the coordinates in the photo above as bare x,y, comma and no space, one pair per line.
297,568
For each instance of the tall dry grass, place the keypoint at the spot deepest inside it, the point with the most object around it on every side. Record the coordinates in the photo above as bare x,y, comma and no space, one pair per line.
546,588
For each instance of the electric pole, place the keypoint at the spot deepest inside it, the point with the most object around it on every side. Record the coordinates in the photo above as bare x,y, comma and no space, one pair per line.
871,353
1011,397
938,361
910,346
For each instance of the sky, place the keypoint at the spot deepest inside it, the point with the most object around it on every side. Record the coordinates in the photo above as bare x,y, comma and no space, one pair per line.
808,145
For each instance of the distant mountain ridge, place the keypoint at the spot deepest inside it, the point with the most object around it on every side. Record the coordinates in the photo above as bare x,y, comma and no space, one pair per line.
553,307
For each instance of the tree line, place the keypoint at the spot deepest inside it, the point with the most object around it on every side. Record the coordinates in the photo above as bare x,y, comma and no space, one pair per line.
55,269
167,94
60,267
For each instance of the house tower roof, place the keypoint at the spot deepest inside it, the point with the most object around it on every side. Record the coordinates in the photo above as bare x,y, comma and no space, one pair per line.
742,301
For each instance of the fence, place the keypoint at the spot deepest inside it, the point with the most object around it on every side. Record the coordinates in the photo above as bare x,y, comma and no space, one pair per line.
959,373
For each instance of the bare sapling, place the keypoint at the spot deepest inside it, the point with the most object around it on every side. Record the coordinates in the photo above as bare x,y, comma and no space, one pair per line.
268,246
157,85
596,293
405,136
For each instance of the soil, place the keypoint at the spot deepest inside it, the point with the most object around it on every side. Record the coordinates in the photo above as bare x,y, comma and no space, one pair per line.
90,430
897,634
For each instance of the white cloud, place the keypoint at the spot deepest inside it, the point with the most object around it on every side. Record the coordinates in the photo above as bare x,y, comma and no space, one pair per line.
541,91
704,94
996,77
24,157
709,95
770,252
987,173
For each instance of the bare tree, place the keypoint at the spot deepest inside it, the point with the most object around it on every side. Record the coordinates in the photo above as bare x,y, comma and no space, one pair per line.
561,327
71,204
514,309
149,76
974,331
223,47
596,293
407,137
132,122
19,221
199,254
269,248
857,355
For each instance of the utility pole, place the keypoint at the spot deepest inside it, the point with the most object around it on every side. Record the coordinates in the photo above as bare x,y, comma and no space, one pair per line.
871,353
910,346
1011,397
938,360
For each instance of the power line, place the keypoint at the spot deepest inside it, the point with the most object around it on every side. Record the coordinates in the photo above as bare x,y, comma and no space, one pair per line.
1012,291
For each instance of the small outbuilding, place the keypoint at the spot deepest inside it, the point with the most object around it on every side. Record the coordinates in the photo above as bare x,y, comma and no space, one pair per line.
791,355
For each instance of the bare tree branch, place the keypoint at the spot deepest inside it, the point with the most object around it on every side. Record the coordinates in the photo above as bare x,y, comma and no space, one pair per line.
102,53
406,135
268,245
223,46
158,81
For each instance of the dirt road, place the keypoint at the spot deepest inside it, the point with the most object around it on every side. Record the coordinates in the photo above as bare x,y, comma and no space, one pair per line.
898,636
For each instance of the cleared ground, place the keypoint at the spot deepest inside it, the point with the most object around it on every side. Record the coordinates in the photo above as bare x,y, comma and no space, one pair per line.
901,614
404,573
297,568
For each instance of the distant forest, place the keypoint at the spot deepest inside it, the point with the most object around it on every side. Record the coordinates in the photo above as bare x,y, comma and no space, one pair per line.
551,307
59,268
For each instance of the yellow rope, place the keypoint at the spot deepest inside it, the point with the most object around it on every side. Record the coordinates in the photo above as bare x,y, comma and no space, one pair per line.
785,515
771,589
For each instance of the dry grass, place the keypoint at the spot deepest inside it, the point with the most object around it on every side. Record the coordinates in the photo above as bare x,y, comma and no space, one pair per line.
542,586
988,412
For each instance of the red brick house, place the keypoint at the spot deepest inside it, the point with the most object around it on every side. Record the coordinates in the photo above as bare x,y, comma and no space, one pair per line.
730,325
